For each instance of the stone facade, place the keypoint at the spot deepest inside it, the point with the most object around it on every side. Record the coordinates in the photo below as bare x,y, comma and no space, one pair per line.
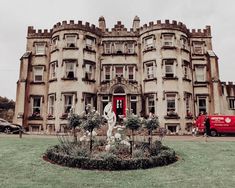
163,68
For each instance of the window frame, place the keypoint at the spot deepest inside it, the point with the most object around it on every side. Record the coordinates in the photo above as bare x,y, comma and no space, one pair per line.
67,71
40,51
171,98
67,106
166,41
148,46
198,47
231,103
172,64
203,73
35,74
71,44
35,107
151,107
51,105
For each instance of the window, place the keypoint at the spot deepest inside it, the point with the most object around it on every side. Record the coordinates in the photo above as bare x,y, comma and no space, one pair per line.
70,70
200,74
89,98
52,70
198,47
107,73
167,40
187,104
119,71
231,103
151,104
171,105
202,105
186,69
54,43
40,48
133,101
38,73
89,43
105,101
149,70
119,47
51,103
70,41
184,43
148,43
130,48
131,73
107,48
36,106
68,103
88,71
169,68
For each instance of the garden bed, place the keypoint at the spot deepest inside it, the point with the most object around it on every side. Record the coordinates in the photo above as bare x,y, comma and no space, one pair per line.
118,158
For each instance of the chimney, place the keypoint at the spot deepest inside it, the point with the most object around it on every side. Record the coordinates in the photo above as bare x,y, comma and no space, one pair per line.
102,24
136,23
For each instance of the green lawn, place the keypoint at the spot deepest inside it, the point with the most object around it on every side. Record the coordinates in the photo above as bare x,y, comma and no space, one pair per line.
201,164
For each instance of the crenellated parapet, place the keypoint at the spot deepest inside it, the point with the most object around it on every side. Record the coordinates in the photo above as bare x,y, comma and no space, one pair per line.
158,25
201,33
33,33
71,25
120,30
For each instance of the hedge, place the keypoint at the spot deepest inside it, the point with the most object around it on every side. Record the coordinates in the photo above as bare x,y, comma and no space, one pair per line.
164,157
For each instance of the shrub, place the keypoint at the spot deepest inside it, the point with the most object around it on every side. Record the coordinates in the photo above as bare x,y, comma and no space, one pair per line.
110,161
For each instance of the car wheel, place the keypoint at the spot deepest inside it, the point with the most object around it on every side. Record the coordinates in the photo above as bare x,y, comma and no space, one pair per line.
7,130
213,133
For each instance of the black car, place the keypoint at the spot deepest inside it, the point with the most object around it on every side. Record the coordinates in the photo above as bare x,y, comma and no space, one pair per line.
8,128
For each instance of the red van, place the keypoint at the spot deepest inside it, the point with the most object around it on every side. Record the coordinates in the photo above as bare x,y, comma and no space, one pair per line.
219,124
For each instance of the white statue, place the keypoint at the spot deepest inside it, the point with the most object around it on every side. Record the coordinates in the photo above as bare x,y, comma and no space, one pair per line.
110,116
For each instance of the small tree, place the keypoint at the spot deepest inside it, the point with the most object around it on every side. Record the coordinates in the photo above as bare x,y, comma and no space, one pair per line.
75,121
133,123
91,121
151,124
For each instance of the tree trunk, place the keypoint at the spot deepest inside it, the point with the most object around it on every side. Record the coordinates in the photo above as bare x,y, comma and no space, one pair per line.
91,142
75,139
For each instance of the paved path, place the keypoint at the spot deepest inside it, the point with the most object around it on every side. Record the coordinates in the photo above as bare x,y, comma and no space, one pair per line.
174,138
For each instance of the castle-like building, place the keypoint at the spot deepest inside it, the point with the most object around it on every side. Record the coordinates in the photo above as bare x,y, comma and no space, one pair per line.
163,68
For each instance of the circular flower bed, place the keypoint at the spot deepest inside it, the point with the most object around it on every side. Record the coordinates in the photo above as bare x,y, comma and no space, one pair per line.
118,158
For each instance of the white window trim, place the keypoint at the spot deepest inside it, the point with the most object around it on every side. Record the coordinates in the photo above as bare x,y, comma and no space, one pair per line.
154,101
106,49
66,105
53,74
40,52
69,43
166,41
202,97
74,69
128,73
34,73
110,73
33,107
173,64
50,106
147,76
172,96
203,71
150,45
91,72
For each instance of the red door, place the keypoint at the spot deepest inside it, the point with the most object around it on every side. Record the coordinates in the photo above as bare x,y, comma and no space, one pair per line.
119,105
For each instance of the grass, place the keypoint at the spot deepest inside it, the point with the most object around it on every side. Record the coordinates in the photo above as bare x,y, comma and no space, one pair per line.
201,164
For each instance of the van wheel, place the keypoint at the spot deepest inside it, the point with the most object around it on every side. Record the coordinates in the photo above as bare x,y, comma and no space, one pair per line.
213,133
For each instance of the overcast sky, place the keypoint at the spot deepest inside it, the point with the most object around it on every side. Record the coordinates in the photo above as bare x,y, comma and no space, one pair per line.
17,15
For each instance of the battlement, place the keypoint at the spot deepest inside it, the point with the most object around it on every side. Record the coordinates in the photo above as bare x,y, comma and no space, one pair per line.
76,26
173,25
201,33
33,33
